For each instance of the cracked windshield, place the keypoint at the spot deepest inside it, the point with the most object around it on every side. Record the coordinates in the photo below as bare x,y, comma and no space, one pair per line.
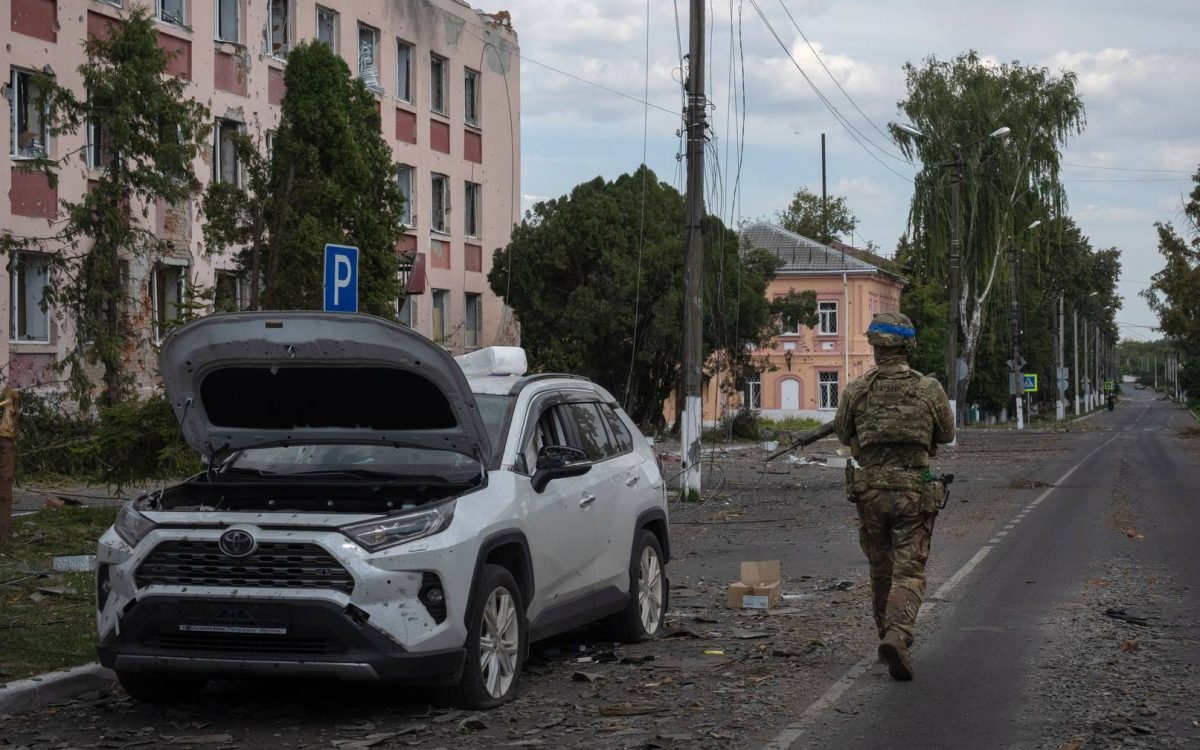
702,374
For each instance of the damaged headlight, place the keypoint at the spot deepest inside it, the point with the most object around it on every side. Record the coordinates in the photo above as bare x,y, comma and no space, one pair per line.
131,525
388,532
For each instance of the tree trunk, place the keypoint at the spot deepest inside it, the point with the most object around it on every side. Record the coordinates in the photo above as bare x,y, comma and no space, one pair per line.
8,457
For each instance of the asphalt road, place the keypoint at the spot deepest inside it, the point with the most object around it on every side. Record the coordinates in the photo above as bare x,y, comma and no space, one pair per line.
1019,652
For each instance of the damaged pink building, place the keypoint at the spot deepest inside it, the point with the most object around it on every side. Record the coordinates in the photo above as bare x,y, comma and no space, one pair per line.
447,80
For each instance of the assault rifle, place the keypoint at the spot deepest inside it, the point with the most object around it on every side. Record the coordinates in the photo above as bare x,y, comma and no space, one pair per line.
803,439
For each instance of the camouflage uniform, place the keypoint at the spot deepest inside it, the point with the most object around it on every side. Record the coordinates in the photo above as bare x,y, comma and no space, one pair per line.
893,418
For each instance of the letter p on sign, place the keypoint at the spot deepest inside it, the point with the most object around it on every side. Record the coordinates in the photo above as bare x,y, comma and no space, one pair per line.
341,278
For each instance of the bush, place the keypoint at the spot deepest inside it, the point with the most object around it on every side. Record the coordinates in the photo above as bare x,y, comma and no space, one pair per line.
789,424
129,442
744,425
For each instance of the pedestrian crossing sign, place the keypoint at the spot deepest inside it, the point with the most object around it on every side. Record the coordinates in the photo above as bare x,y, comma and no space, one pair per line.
1109,386
1029,382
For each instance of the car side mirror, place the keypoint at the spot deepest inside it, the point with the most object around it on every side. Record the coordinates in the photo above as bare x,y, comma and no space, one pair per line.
558,461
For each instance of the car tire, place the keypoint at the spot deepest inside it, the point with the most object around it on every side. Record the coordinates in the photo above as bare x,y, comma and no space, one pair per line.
644,615
496,643
157,687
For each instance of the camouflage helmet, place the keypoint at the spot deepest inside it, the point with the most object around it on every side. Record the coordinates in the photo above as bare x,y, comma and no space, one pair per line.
891,329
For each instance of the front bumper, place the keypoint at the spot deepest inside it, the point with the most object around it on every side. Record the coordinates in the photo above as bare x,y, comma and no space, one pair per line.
307,637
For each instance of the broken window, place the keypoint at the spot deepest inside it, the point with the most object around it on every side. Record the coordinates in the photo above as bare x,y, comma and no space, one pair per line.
97,144
439,201
229,20
327,27
471,209
437,84
472,320
227,292
471,94
368,57
279,30
226,167
28,275
404,181
172,11
404,71
408,311
166,297
30,128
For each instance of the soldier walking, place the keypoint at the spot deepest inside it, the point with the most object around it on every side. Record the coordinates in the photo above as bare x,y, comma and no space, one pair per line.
893,418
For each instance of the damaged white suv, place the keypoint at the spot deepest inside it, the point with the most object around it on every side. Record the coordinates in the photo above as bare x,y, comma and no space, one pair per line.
373,509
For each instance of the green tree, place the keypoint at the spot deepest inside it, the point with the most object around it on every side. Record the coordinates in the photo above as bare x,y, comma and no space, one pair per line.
150,134
330,178
795,309
1007,184
823,221
599,293
1174,294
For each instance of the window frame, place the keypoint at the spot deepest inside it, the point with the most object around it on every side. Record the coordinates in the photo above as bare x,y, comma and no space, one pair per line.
337,26
218,154
94,150
827,315
158,320
17,103
410,304
410,214
377,44
752,392
472,95
828,398
406,83
286,30
472,303
225,273
183,8
237,21
438,89
439,225
608,450
472,203
440,301
17,265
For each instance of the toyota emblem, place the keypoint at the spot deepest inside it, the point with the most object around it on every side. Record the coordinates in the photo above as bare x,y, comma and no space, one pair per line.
237,543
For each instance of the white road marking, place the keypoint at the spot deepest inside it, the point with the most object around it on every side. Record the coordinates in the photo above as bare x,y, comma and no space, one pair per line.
787,738
1001,533
994,540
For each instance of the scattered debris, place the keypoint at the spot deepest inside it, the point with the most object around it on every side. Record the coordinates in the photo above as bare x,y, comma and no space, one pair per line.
1133,534
74,563
749,635
472,725
630,709
1130,645
586,676
1121,614
202,739
57,590
840,586
680,632
714,652
1025,483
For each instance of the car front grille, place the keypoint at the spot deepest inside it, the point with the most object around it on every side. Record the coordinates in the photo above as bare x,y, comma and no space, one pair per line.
288,565
237,643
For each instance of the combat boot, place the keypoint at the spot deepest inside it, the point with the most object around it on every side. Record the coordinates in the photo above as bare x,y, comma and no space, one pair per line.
894,653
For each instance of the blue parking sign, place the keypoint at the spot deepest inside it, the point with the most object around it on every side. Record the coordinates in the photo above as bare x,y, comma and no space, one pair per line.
341,278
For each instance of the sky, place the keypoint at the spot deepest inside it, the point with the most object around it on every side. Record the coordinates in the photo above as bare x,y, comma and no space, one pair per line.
592,106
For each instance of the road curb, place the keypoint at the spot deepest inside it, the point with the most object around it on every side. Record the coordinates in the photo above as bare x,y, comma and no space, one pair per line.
36,692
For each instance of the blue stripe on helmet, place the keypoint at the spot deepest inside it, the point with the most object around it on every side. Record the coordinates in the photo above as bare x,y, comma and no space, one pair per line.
902,331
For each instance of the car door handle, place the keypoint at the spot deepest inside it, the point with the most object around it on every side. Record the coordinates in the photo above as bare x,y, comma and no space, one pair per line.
587,500
630,481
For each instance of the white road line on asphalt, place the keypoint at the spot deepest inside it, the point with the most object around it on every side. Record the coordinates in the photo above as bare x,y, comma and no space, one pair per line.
994,540
787,738
1001,533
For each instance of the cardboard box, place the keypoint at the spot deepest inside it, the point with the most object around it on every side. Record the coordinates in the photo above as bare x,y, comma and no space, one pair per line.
760,587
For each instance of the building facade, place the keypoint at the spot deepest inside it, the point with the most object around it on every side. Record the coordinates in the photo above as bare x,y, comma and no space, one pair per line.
804,372
447,80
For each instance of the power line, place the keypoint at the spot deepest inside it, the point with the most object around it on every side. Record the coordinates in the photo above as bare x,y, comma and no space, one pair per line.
850,130
854,104
1128,169
1131,179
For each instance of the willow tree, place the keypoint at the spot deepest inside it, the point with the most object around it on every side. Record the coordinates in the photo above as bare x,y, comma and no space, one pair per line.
1007,183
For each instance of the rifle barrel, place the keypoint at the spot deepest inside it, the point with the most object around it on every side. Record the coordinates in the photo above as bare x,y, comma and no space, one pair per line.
804,439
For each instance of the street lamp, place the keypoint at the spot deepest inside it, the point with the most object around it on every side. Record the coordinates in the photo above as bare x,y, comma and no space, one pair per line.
956,176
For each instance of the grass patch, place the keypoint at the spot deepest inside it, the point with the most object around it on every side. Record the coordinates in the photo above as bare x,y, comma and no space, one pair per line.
59,630
790,424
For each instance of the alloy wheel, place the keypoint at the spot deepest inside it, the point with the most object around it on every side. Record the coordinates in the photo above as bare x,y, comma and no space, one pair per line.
650,590
499,639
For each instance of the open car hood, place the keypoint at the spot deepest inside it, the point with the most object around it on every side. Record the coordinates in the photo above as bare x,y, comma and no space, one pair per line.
254,379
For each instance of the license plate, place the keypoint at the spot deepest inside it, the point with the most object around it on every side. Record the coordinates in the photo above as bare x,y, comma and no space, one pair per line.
240,619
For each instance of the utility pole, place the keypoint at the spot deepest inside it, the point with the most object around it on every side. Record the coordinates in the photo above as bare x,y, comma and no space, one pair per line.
825,202
956,175
1075,324
1015,365
1156,372
1060,407
692,416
